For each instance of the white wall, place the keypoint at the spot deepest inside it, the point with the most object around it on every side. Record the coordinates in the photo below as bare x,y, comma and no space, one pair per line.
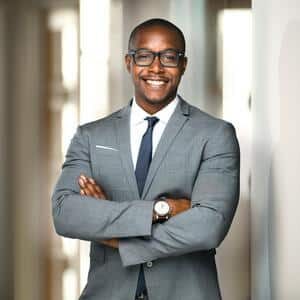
276,151
189,15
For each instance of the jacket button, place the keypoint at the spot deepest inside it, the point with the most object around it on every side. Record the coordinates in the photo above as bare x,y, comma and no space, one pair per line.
149,264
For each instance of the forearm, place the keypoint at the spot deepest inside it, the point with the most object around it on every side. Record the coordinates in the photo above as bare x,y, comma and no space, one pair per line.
175,207
199,228
87,218
214,201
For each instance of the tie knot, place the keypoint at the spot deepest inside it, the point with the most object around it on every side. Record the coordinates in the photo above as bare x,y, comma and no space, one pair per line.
151,121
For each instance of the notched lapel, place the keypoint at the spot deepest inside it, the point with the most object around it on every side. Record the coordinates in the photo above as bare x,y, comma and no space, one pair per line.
122,128
174,126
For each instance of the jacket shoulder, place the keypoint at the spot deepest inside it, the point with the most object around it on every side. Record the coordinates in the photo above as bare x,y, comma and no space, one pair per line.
205,122
103,123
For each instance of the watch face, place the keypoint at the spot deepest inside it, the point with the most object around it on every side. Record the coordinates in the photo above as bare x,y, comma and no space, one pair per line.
162,208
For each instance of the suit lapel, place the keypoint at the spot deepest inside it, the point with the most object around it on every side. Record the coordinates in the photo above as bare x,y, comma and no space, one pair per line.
122,128
175,124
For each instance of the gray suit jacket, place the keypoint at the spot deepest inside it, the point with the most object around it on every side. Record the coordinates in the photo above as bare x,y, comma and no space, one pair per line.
197,158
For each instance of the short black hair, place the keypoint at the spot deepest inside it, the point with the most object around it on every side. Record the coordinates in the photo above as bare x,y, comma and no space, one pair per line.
152,23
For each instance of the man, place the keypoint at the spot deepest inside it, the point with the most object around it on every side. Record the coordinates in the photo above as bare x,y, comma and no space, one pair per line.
160,183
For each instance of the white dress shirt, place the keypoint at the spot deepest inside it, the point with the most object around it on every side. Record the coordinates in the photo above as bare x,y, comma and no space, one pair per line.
138,126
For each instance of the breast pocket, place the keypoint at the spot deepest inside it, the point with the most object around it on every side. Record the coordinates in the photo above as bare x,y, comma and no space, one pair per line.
105,159
108,169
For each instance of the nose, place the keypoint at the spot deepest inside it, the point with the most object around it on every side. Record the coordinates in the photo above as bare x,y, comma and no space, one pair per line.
156,65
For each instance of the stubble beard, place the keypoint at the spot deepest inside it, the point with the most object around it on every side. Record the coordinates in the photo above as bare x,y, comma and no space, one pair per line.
161,102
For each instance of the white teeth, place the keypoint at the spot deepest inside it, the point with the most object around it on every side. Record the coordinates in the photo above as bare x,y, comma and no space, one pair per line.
155,82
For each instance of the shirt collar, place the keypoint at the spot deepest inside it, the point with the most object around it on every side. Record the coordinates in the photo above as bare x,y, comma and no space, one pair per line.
138,115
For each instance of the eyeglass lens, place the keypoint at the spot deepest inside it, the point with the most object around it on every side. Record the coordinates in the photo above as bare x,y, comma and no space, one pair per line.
167,58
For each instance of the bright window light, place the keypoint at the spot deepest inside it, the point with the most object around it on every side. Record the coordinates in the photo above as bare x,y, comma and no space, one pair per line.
69,124
94,44
69,285
236,35
65,21
70,56
94,72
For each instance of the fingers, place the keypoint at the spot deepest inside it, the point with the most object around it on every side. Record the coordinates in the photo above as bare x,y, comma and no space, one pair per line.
91,191
89,187
98,189
91,180
81,182
113,243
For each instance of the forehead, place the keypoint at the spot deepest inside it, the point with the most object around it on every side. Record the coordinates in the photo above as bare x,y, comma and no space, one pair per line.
157,38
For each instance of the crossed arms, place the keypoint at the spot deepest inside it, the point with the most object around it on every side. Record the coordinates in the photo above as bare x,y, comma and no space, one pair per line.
122,224
89,187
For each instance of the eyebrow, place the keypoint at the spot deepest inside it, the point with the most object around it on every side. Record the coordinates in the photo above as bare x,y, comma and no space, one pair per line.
178,50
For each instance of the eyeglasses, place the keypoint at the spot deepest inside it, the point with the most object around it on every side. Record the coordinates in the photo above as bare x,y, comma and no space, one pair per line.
144,58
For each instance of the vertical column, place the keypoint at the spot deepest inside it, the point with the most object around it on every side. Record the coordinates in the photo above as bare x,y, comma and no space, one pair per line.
276,161
116,59
26,166
233,255
5,204
94,78
94,62
190,16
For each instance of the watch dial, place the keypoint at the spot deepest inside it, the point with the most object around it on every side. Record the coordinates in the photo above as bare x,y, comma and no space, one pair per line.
162,208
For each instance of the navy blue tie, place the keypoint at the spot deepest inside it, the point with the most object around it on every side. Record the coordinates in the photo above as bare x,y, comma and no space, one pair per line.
141,171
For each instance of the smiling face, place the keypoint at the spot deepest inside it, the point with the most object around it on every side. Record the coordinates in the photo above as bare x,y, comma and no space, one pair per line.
155,85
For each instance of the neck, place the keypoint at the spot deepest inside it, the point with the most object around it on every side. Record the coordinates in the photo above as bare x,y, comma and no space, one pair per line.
153,107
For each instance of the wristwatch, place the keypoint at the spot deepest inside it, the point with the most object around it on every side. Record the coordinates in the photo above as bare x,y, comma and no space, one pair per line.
161,210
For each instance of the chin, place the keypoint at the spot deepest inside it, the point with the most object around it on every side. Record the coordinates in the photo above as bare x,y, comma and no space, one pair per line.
159,100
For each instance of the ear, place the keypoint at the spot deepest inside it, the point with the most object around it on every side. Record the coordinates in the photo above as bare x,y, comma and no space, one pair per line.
128,60
184,65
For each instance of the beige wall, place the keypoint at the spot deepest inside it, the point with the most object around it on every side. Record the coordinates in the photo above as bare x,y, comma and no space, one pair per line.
5,220
26,164
276,148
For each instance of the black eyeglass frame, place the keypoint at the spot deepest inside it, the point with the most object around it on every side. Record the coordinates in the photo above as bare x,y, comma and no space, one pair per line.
178,52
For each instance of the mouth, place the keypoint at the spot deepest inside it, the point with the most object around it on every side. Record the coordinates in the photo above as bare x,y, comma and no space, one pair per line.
155,83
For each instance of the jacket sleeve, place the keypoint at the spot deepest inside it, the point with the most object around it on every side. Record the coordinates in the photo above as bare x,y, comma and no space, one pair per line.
88,218
214,200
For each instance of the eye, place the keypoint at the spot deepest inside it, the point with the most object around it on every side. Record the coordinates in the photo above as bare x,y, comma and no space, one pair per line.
143,55
169,56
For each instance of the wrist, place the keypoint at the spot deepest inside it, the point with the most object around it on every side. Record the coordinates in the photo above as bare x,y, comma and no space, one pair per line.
162,210
172,207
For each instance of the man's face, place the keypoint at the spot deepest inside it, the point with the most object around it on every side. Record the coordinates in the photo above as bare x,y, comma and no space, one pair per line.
155,85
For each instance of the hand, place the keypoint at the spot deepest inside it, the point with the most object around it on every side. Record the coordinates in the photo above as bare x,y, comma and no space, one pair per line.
113,243
89,187
178,205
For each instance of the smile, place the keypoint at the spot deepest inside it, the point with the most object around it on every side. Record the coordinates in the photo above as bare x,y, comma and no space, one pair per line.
155,83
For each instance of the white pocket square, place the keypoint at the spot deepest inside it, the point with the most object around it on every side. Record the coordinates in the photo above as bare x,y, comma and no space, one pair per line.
107,148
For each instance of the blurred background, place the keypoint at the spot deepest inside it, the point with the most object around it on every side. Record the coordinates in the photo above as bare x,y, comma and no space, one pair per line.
62,64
